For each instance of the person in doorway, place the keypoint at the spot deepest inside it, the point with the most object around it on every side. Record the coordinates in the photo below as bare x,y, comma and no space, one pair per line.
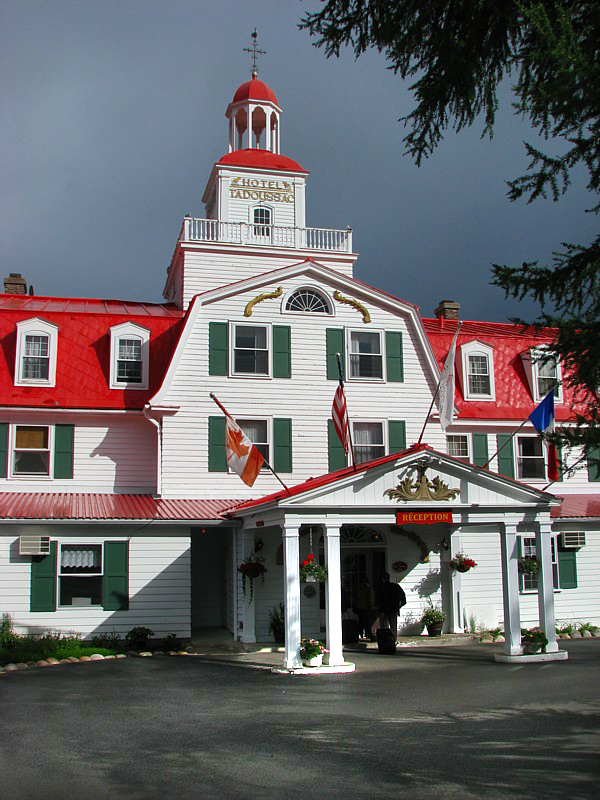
364,604
392,598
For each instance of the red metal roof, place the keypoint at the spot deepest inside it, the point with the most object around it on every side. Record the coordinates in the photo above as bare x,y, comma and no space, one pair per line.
578,505
62,506
254,90
262,159
514,400
83,362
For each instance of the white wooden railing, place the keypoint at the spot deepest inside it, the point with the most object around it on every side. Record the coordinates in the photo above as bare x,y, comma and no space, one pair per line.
213,230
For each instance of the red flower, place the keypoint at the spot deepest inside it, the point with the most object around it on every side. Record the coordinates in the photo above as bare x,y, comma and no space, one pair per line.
311,557
305,563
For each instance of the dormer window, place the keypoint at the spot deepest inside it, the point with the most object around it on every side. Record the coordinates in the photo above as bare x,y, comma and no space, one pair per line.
478,374
130,356
543,373
478,371
37,342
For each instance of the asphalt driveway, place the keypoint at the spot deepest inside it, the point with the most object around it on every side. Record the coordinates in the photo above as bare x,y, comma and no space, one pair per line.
431,723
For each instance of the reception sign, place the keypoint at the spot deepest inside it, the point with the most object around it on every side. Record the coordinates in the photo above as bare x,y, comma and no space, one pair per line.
423,517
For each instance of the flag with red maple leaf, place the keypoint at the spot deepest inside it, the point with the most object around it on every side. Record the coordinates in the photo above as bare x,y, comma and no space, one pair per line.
242,456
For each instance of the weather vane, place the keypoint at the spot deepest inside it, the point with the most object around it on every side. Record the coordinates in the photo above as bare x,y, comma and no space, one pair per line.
255,52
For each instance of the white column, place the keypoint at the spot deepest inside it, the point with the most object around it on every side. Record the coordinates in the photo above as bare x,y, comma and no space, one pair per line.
510,589
543,547
248,633
455,623
333,594
267,130
291,573
249,128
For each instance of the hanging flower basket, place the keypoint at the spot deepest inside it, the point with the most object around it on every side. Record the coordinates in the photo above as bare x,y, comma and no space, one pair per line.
528,565
462,563
253,567
311,571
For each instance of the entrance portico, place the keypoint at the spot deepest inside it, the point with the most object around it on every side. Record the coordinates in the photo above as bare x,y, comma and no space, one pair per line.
371,496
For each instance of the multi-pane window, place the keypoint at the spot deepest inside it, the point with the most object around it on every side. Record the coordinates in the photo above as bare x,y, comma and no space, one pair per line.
529,583
80,575
257,430
547,377
366,357
129,361
457,445
368,441
307,300
251,350
262,221
36,357
479,375
31,450
531,463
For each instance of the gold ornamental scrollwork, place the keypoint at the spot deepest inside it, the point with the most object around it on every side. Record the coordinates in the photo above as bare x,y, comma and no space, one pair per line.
422,489
259,298
355,304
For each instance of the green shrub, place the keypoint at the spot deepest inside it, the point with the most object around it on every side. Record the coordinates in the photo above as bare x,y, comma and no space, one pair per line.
52,645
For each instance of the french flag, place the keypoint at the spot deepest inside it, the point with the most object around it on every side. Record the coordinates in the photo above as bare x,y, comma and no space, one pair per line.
542,419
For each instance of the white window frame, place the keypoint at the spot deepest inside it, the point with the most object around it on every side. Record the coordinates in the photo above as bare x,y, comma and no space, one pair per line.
527,583
269,338
349,354
267,235
323,295
477,349
538,354
269,425
467,437
36,327
384,429
129,330
518,457
59,573
12,440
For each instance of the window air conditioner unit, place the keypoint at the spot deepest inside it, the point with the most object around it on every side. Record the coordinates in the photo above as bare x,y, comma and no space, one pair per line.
572,539
34,545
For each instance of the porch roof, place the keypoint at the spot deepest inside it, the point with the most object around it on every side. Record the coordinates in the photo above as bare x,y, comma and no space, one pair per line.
578,505
109,507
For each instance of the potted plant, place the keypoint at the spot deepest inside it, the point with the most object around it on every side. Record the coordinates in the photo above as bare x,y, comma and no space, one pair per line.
311,571
277,623
528,565
461,563
533,640
251,568
433,619
311,652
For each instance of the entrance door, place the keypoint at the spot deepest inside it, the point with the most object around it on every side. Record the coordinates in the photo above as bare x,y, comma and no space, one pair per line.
356,565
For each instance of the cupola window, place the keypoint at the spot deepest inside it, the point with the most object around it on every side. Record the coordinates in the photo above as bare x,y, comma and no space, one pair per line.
308,300
262,221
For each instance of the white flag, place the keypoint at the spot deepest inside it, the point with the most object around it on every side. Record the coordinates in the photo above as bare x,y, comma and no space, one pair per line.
446,390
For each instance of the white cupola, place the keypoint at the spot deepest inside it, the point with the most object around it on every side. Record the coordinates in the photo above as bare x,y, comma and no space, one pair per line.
254,117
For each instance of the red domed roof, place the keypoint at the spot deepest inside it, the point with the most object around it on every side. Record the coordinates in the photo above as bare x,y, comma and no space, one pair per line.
263,159
254,90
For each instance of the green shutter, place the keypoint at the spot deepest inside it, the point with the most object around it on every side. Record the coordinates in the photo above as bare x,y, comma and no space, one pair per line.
3,448
282,351
115,584
335,344
567,569
393,356
217,461
63,451
593,468
282,445
506,464
396,435
337,457
218,348
480,449
43,581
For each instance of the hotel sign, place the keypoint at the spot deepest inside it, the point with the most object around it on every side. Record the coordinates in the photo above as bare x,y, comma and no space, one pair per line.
263,190
423,517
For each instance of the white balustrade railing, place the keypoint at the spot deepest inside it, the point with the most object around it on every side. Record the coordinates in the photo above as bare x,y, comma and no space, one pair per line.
213,230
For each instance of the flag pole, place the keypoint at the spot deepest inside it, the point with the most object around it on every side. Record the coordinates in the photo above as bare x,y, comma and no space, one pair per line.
227,414
563,472
508,441
339,363
437,391
444,374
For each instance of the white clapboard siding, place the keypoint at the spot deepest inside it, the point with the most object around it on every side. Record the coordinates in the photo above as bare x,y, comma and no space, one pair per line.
112,453
159,583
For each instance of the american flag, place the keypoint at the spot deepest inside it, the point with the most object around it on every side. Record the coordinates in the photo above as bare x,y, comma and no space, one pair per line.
339,412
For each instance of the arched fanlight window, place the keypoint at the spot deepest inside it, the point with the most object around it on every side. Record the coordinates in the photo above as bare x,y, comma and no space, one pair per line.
357,534
308,300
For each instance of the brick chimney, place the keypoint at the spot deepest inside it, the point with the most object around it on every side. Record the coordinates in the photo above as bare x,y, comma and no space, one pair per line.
447,309
15,283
